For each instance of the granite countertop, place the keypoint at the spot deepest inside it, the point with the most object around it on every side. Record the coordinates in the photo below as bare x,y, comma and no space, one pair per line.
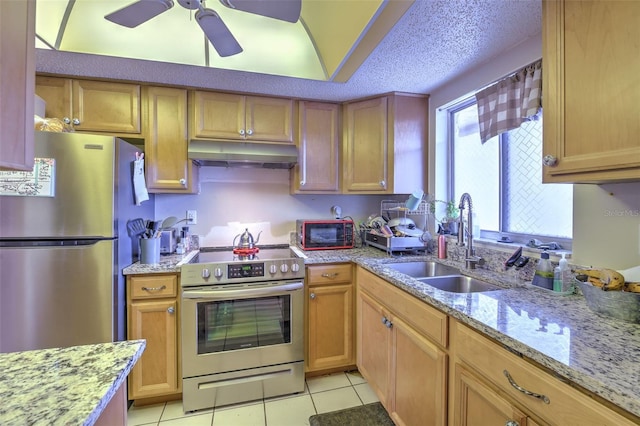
558,332
168,263
66,386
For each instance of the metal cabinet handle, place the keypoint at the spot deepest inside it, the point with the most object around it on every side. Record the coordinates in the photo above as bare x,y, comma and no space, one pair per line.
382,183
512,382
171,309
183,181
330,276
241,132
249,132
312,295
550,160
76,122
66,120
386,322
154,288
302,183
512,423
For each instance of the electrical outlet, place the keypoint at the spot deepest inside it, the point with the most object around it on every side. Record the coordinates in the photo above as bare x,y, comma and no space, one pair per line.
192,217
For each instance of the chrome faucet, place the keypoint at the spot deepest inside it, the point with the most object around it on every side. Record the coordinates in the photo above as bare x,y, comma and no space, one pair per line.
471,260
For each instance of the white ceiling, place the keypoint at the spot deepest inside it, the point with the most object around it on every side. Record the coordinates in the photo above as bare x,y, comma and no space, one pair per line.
434,42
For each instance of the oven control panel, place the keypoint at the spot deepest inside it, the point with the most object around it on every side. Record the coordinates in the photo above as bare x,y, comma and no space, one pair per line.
245,270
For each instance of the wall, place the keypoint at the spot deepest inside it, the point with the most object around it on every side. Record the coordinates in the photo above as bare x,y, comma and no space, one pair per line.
231,200
606,218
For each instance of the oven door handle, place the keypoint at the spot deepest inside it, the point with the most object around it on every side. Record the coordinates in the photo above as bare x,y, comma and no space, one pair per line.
217,294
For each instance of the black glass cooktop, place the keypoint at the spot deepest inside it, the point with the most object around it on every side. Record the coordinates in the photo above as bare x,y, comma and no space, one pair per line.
227,255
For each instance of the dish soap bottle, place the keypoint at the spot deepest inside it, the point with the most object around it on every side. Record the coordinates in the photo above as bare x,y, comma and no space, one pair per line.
565,273
543,276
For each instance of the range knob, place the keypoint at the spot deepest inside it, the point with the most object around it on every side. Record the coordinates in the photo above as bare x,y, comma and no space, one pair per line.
284,268
273,269
206,273
217,273
295,267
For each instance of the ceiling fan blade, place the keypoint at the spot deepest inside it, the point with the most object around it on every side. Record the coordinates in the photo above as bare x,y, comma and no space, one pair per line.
283,10
139,12
217,32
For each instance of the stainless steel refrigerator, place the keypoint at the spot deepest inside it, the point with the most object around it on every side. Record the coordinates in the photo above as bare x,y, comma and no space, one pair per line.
63,243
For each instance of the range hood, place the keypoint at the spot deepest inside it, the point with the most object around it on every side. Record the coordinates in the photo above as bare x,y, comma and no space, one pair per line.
243,154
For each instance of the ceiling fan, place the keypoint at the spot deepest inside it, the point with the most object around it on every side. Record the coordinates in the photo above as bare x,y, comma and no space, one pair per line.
210,22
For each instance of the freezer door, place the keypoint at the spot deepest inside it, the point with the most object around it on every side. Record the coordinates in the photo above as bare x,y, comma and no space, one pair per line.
84,202
56,296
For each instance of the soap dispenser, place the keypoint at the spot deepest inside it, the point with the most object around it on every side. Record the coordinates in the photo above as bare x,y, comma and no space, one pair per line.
543,276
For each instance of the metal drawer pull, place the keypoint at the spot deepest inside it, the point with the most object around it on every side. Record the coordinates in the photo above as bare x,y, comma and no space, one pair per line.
154,288
330,276
512,423
523,390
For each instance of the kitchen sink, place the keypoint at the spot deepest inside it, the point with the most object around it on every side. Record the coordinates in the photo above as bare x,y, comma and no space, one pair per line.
459,284
423,269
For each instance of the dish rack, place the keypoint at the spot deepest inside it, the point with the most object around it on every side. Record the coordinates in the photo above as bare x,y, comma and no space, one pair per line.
392,209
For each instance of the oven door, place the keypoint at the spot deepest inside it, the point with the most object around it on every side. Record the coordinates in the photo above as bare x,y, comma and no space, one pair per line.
234,327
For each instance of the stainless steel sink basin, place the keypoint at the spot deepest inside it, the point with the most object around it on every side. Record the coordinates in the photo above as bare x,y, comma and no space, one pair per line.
459,284
423,269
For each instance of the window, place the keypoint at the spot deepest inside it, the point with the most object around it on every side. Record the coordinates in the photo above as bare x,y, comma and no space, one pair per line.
504,178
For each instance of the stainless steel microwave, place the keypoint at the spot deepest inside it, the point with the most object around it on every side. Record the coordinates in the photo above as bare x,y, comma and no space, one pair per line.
323,234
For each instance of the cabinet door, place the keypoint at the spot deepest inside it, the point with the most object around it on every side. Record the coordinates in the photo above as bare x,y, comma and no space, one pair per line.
56,92
269,119
318,147
217,115
156,372
366,147
106,107
374,346
419,378
17,56
330,332
475,404
591,104
168,167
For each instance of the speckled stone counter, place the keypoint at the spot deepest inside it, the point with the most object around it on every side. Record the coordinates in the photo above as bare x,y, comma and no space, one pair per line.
558,332
168,263
65,386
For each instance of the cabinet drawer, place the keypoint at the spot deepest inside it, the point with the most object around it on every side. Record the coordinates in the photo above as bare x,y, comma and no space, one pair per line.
153,286
422,317
329,274
567,405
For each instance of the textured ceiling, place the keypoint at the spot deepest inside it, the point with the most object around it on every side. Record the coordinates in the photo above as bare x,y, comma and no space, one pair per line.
434,42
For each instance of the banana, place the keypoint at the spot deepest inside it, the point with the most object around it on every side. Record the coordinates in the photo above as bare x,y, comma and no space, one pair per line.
632,287
607,279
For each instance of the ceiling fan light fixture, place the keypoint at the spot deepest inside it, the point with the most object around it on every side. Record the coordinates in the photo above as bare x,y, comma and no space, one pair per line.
139,12
218,33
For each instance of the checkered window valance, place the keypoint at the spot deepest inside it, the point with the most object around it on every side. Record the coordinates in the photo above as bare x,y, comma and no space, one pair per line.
505,105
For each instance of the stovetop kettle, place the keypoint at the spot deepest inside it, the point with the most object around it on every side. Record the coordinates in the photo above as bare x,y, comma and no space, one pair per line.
246,240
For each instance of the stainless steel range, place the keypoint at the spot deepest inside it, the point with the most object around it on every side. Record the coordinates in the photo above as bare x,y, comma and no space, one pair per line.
242,326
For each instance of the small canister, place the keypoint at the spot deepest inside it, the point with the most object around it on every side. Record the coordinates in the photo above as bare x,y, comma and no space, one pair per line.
185,238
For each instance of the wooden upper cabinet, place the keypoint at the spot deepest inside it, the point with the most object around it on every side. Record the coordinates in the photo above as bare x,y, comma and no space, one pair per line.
17,75
92,106
384,144
169,170
237,117
591,102
317,170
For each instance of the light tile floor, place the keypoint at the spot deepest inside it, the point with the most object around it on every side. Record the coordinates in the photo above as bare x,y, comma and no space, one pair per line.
322,394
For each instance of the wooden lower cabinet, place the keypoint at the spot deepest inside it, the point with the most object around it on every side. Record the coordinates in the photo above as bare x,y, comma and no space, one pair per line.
482,395
476,405
329,329
153,307
405,368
